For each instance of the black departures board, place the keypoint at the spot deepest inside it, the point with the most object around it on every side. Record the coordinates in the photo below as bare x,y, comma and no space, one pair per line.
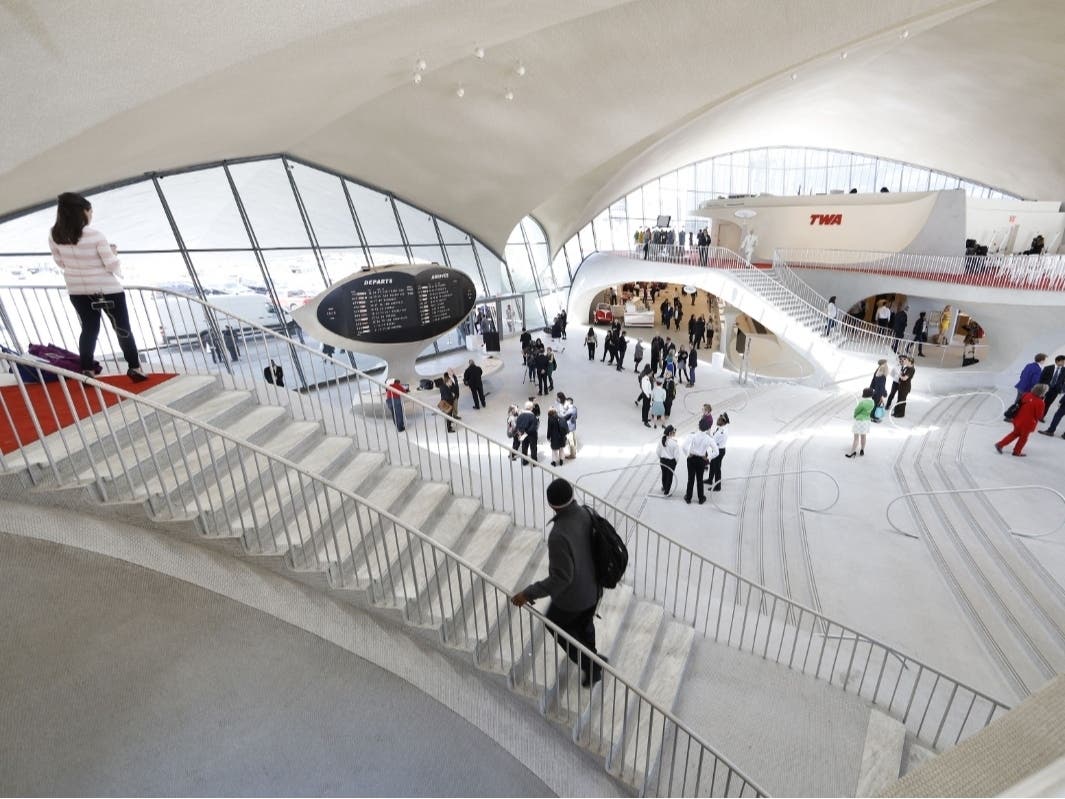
398,307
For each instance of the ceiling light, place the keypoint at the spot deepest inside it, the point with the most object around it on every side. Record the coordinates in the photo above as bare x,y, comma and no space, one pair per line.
905,34
417,78
460,92
843,56
478,52
519,70
420,65
508,94
794,75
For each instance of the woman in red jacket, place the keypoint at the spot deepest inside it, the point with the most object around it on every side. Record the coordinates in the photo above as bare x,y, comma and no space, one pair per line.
1026,419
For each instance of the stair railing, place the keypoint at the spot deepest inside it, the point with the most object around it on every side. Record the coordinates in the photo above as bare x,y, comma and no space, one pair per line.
1025,272
842,333
688,585
191,472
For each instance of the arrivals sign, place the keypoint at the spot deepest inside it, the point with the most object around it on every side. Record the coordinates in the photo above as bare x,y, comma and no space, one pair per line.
395,307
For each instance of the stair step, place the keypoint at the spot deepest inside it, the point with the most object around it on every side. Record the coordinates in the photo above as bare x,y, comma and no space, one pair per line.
669,660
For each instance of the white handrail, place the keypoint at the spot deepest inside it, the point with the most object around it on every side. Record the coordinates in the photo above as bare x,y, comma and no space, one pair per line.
986,490
249,478
481,467
1027,272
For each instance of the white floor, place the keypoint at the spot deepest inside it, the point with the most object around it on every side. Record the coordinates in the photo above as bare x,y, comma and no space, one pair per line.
845,559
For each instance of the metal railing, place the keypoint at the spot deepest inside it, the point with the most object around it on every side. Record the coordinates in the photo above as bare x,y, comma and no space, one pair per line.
186,470
1027,272
688,585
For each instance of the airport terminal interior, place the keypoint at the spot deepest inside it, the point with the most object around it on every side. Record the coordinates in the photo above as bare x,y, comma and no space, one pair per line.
825,236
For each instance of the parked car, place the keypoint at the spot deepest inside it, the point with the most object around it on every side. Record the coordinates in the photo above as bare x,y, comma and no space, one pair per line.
603,314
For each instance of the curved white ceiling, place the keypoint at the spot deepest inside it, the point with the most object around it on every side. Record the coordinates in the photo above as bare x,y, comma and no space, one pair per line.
614,94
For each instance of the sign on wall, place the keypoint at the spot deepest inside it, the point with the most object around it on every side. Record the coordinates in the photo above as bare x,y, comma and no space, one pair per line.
395,307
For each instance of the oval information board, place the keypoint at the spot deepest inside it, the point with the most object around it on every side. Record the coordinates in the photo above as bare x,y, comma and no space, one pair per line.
395,307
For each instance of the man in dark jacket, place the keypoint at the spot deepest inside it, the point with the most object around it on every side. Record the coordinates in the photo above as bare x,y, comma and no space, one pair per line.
898,326
620,345
449,400
571,582
527,427
472,378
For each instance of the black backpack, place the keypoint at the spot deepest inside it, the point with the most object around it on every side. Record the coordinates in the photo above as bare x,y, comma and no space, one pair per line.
608,550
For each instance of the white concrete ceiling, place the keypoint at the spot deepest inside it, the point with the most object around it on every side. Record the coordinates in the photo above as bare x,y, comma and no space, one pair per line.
614,94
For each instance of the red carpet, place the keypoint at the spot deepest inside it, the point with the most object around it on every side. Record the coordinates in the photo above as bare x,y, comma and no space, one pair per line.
53,409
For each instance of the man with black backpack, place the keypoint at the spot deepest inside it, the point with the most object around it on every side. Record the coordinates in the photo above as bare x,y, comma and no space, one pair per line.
572,582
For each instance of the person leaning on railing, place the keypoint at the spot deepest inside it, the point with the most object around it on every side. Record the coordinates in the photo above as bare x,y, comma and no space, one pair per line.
91,269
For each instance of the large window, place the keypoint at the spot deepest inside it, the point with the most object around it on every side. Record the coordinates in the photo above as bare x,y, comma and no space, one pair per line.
766,170
272,224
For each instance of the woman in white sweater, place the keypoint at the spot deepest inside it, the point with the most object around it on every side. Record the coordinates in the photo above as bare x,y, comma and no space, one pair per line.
668,453
91,269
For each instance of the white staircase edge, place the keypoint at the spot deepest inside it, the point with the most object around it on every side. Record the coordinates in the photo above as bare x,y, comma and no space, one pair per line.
507,718
881,762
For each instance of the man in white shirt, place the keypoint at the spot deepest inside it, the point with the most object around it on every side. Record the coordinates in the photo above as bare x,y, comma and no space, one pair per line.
700,448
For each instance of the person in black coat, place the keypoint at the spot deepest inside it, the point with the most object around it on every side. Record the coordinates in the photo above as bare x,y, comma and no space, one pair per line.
556,437
543,373
472,378
527,427
906,373
656,352
1054,377
449,400
898,327
274,374
621,345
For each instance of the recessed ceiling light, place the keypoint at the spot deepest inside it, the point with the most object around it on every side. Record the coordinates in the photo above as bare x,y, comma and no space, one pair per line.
478,52
417,78
460,92
508,94
843,55
420,65
519,70
905,34
794,75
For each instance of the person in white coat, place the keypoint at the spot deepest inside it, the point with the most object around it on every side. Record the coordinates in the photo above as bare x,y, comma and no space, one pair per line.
668,455
719,433
701,449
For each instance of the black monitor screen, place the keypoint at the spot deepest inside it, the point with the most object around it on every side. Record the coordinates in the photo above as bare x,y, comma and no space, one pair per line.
398,307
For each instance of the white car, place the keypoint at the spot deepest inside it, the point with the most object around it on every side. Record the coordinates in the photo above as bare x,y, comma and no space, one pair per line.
637,315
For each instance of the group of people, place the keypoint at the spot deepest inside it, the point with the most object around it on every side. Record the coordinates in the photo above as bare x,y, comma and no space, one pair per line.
523,428
1039,385
876,399
704,450
540,363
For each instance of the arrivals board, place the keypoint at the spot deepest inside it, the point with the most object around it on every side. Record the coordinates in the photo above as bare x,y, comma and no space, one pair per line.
395,307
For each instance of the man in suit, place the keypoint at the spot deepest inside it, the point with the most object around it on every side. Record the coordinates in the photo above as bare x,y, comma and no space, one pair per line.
1030,375
898,326
1053,376
472,378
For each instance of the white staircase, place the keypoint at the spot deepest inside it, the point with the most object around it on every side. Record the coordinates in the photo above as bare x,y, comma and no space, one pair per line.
204,493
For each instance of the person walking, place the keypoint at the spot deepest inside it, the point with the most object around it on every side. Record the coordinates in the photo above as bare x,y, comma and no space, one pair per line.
920,332
898,326
646,388
906,374
720,435
512,430
394,392
472,377
571,582
621,345
590,342
1030,375
552,365
658,402
449,400
670,385
878,384
693,361
682,366
91,270
863,414
830,314
1054,377
700,449
527,427
556,437
1025,420
668,454
637,355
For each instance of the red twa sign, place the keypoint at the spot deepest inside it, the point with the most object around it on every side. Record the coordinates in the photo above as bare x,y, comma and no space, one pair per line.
826,219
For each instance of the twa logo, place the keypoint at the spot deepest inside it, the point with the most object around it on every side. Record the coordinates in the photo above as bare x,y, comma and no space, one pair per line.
826,219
